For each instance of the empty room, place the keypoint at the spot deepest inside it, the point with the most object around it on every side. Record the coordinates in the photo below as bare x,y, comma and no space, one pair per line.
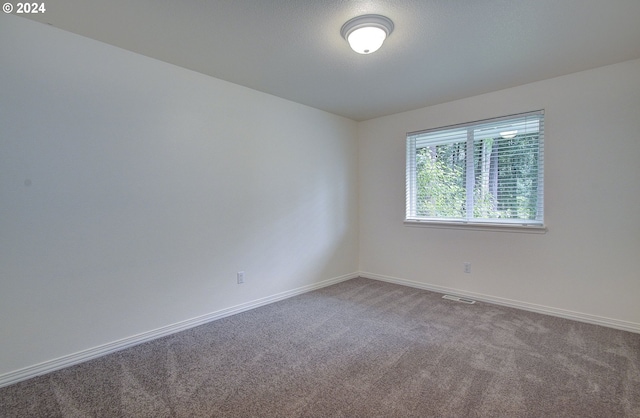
320,208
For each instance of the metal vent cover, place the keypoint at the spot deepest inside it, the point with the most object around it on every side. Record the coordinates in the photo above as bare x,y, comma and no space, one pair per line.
459,299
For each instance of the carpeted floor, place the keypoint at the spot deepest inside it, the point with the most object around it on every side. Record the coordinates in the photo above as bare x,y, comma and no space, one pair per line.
361,348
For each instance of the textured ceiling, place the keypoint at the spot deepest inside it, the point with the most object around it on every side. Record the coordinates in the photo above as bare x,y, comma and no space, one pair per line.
440,50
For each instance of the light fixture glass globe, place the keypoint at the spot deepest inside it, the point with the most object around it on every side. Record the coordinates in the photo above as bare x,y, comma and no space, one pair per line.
367,39
366,33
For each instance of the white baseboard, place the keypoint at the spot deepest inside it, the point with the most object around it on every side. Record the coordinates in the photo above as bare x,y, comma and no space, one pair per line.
92,353
547,310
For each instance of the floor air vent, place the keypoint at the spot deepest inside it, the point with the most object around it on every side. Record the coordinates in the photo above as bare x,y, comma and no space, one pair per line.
459,299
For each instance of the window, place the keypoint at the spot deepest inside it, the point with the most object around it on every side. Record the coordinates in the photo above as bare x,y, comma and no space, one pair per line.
485,172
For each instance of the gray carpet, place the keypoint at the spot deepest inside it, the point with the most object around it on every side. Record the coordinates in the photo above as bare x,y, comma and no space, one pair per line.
361,348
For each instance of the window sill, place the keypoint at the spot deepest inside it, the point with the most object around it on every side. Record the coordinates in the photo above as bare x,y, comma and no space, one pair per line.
478,226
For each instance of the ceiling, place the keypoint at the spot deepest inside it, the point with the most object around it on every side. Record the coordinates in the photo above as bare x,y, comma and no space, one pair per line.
440,50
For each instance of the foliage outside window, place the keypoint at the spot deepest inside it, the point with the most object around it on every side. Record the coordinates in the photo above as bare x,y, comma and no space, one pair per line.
489,172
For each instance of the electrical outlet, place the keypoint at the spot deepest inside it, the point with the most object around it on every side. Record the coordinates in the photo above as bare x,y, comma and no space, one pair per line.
240,277
467,267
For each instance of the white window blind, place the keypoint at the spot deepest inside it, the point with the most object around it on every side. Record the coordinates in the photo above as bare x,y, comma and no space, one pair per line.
488,171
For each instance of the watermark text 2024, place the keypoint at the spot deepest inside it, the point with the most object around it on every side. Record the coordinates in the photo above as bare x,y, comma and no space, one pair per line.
23,8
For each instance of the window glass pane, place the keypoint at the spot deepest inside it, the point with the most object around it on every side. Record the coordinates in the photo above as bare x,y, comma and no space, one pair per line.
440,177
518,177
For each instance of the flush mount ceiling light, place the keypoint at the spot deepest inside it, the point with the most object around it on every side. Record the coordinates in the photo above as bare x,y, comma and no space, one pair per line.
366,33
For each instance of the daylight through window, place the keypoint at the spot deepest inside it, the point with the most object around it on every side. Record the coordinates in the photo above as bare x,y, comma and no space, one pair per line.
489,171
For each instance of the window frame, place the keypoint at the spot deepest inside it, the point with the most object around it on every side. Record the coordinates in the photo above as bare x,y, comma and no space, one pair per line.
493,224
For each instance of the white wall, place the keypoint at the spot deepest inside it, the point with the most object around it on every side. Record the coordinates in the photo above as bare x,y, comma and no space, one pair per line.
132,191
586,263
